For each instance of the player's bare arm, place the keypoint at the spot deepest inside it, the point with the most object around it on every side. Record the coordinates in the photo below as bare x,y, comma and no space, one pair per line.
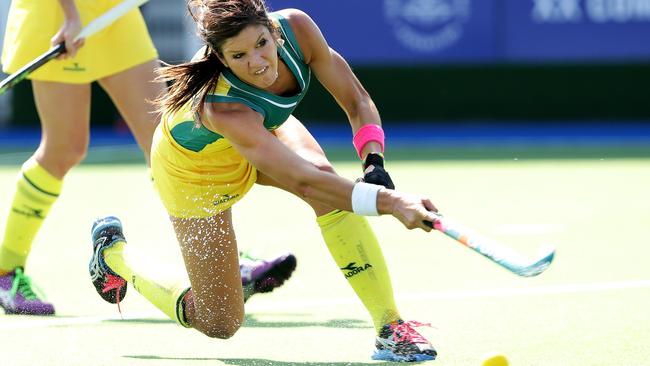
243,127
334,74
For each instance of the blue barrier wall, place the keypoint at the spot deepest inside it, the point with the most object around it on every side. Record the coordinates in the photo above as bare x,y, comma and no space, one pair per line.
450,31
577,30
395,31
428,60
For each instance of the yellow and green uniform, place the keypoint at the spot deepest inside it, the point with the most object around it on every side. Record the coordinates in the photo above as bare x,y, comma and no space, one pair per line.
198,173
120,46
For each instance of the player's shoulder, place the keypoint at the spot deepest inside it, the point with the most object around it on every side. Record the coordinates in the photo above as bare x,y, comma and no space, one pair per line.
225,109
229,118
306,31
297,19
225,112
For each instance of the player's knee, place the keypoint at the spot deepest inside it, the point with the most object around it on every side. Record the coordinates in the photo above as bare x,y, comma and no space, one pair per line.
217,322
223,329
77,153
68,156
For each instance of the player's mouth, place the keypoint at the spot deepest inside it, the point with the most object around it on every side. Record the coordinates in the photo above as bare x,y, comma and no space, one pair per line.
261,71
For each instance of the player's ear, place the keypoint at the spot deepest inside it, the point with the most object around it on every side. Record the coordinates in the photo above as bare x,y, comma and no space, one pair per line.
221,58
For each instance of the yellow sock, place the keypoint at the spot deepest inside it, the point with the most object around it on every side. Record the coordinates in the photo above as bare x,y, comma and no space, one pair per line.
153,280
356,251
36,191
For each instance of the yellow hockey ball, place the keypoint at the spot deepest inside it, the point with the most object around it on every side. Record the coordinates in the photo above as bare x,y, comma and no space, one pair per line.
494,359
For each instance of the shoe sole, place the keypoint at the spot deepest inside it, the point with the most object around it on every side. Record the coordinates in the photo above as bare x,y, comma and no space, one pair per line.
17,312
277,275
114,296
386,355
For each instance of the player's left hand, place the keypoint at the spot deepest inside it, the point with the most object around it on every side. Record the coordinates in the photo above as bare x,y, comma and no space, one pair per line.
374,172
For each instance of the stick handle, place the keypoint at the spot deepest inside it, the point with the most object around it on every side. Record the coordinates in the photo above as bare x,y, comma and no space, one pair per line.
24,71
503,256
480,244
109,17
93,27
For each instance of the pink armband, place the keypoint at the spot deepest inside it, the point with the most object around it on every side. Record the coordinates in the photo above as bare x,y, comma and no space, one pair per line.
366,134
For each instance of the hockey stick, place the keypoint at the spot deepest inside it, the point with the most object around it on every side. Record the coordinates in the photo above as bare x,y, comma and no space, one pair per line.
93,27
494,251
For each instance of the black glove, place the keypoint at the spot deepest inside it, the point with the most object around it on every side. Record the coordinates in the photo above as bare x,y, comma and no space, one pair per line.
374,172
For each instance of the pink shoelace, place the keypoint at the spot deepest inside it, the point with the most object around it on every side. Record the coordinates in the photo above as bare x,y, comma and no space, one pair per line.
112,283
405,332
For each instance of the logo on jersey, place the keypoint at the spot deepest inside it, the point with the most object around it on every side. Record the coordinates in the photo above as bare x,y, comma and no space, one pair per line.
224,198
427,25
352,269
29,212
75,67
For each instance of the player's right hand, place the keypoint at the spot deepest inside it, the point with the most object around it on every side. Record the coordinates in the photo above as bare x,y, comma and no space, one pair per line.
412,211
67,33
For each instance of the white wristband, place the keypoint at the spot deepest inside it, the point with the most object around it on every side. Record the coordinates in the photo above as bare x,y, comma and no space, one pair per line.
364,199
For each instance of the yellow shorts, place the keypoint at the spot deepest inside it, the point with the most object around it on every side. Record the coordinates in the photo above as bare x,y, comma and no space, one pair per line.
198,184
120,46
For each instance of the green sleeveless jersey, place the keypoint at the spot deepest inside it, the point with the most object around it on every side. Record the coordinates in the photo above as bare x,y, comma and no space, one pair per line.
275,109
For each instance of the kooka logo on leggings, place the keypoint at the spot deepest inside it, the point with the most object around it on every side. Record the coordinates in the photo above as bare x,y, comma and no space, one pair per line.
352,269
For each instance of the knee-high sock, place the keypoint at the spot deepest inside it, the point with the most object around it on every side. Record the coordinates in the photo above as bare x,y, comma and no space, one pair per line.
356,251
157,282
36,191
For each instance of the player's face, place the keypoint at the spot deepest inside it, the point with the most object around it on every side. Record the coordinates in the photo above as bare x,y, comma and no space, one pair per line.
252,56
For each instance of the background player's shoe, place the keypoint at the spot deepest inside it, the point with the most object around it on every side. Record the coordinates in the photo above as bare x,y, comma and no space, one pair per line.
260,276
399,342
109,285
17,295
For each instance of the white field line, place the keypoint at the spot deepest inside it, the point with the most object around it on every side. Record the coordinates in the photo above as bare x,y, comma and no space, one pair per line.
22,322
299,304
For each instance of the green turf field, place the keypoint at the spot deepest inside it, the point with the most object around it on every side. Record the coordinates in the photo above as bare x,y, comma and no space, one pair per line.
590,308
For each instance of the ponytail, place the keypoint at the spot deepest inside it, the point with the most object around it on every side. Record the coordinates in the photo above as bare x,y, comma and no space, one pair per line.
188,81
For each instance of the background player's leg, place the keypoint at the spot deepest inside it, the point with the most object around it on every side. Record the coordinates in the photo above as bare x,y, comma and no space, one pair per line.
131,91
64,110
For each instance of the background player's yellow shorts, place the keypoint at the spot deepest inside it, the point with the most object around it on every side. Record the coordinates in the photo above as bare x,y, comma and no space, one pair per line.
198,184
32,23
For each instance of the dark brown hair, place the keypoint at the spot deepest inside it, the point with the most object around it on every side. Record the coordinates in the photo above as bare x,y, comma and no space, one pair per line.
216,21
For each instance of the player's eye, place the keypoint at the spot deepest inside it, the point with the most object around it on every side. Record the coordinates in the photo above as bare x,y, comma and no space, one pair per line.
262,42
238,55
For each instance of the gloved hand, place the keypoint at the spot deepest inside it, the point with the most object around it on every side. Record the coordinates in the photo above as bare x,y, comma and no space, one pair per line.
374,172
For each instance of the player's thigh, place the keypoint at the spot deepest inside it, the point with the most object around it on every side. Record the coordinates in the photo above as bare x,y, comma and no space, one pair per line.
64,111
133,91
209,249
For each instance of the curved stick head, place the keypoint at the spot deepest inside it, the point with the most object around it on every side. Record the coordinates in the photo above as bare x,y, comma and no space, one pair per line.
539,265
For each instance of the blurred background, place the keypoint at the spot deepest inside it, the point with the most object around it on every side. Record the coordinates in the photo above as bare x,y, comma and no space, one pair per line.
448,71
